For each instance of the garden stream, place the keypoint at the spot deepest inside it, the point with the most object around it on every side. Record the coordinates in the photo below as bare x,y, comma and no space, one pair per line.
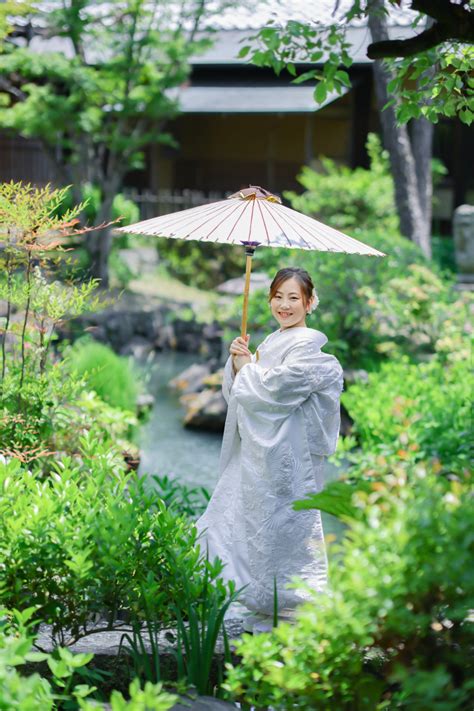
191,456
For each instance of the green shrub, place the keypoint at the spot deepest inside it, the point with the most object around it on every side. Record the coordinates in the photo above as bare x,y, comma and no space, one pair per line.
126,209
202,264
185,499
350,199
415,411
86,416
90,540
109,375
35,693
61,412
36,302
444,252
394,626
120,272
419,313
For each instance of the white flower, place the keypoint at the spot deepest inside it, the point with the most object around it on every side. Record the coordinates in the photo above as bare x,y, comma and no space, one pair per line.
315,301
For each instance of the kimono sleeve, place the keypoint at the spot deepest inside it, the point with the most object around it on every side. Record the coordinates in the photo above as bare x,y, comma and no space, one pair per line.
281,390
228,379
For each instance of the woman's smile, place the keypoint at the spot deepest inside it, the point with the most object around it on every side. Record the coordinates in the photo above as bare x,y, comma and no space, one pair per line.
289,293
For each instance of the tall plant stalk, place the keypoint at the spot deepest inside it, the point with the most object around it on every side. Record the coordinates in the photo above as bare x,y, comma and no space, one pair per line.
25,324
198,632
7,320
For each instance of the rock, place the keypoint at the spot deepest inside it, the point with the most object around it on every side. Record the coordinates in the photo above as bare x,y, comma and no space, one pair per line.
191,379
107,642
258,280
145,402
346,422
149,322
132,460
203,703
352,375
214,380
140,260
205,410
138,347
194,337
166,338
200,703
130,321
463,229
113,656
120,328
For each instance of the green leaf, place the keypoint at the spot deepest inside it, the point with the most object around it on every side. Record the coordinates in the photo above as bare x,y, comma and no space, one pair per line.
306,76
320,93
244,51
343,77
335,499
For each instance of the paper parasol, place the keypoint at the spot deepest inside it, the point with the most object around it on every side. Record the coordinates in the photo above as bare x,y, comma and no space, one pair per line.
252,217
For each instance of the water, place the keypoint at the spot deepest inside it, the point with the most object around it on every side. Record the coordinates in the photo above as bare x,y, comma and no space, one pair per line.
191,456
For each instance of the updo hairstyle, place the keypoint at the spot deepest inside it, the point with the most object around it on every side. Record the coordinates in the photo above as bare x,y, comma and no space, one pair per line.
304,280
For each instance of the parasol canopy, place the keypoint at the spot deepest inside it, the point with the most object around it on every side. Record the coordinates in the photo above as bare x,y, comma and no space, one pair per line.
252,217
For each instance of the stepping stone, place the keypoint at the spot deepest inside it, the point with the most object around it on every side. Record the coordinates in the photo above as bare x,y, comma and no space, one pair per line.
204,703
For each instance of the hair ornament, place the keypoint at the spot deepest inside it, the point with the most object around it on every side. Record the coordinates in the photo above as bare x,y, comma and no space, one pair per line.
314,302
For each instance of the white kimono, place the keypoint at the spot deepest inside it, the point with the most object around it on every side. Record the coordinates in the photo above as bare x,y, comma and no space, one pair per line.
282,422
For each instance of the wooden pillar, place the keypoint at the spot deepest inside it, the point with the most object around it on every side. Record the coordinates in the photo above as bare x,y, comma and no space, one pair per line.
271,155
309,138
461,164
360,124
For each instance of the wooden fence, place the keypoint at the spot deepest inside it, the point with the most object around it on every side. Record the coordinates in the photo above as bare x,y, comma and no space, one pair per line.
160,203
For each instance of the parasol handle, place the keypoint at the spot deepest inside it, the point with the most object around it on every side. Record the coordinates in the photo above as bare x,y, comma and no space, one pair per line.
249,250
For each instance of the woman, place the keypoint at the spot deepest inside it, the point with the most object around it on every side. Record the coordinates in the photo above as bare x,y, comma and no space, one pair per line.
282,422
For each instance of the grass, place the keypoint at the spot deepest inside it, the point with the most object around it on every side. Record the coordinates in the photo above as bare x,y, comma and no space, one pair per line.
163,286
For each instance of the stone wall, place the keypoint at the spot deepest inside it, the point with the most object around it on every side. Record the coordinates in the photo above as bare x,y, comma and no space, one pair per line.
137,326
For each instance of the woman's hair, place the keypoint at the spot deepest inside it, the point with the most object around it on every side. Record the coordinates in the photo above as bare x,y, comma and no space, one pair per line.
303,278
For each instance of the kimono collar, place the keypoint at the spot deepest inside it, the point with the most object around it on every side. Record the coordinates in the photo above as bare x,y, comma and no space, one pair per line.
302,333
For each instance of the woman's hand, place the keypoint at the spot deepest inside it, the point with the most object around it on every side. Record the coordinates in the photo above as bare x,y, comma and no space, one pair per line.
240,352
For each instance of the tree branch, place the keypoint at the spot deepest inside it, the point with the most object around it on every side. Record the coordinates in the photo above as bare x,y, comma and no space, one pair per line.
9,88
406,48
453,22
444,11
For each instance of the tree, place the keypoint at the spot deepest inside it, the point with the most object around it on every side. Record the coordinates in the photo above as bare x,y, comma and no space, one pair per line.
410,157
451,21
432,77
98,92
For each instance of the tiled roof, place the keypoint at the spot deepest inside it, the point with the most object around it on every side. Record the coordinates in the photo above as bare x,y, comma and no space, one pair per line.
235,24
226,45
234,99
254,14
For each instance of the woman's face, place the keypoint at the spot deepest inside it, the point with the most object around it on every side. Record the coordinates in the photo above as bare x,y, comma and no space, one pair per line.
288,306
